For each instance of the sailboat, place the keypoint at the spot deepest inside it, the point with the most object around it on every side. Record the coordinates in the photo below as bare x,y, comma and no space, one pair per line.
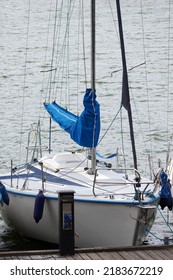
112,206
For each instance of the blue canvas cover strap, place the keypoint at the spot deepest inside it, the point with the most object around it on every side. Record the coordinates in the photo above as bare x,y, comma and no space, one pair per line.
85,129
64,118
106,157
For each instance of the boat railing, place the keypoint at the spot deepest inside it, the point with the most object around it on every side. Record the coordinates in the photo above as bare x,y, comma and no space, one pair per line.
34,145
136,182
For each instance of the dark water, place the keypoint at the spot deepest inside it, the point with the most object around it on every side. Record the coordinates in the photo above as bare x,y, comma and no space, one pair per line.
151,85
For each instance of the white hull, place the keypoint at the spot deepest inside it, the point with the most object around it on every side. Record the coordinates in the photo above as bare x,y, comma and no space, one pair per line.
103,220
96,224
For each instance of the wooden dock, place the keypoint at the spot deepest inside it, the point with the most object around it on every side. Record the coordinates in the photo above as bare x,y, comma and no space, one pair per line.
163,252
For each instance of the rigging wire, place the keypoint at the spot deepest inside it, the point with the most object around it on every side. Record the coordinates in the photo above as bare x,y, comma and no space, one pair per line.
24,80
53,48
59,53
60,64
151,169
168,62
78,54
45,61
62,53
169,137
146,83
101,138
150,150
122,142
66,59
82,54
113,18
83,40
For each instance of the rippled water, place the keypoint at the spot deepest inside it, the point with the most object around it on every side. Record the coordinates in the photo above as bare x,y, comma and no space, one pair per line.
151,85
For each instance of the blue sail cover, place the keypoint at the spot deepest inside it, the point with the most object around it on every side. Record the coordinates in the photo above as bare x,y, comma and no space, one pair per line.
85,129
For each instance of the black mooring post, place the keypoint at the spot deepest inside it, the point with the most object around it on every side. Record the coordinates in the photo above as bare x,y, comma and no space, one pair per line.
66,222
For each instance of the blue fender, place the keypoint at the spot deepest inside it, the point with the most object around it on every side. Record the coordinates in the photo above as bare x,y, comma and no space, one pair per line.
39,206
166,199
4,194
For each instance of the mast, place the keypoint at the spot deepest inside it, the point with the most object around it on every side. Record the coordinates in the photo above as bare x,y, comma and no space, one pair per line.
125,88
93,67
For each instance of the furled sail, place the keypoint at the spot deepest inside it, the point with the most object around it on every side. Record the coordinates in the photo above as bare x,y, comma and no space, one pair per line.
83,129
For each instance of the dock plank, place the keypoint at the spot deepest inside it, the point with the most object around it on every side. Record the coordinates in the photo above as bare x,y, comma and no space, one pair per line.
21,257
116,255
168,253
133,255
126,255
77,257
143,255
69,258
153,254
162,252
162,255
94,256
15,258
84,256
106,256
35,257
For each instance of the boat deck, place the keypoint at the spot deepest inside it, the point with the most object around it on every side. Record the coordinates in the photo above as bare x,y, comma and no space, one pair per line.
163,252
